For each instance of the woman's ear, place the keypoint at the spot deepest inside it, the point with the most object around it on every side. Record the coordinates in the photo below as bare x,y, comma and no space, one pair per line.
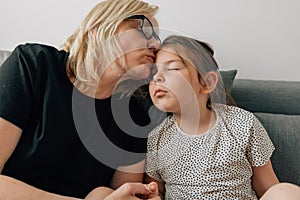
209,82
92,32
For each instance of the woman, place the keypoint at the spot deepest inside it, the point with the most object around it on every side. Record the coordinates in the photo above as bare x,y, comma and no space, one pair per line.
56,104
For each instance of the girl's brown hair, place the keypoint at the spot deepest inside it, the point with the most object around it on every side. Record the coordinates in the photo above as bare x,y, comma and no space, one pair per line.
200,55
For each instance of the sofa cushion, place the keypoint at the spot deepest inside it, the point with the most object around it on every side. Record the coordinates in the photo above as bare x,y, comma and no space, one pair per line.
284,131
228,77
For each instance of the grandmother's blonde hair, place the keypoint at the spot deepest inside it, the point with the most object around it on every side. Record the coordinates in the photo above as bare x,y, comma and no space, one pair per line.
93,47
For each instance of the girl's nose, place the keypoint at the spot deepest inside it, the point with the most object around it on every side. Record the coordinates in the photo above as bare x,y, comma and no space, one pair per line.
158,78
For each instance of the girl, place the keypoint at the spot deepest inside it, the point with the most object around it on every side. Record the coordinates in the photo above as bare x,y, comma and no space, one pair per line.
204,149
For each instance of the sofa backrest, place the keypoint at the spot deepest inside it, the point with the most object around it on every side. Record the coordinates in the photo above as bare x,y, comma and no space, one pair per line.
281,97
3,55
277,105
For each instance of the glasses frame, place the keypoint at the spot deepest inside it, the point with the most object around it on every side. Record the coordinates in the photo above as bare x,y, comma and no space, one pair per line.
140,29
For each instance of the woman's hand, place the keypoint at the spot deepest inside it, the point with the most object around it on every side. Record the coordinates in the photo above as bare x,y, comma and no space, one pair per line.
128,191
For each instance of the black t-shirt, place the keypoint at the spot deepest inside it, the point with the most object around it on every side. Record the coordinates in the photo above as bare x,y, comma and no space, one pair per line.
70,143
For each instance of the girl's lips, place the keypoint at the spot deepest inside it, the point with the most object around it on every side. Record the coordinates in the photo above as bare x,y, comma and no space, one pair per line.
159,93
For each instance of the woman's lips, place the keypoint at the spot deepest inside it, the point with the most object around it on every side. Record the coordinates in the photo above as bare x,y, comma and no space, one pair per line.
150,58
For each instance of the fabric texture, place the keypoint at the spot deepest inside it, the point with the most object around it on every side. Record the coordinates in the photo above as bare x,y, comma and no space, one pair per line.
37,96
214,165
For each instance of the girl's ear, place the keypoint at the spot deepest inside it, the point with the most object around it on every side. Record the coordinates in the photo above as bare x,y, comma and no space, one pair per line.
209,82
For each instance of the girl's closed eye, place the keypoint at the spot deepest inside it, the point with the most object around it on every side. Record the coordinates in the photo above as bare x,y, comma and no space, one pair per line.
172,68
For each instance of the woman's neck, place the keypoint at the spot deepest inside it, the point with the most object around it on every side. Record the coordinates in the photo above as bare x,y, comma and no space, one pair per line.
105,87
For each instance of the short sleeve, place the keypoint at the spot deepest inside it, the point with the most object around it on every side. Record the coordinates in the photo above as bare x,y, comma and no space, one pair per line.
152,168
260,147
16,87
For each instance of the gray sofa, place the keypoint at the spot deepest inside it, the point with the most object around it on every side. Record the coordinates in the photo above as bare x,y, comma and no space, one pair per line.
277,106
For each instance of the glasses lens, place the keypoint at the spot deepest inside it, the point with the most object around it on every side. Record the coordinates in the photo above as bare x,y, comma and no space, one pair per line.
147,29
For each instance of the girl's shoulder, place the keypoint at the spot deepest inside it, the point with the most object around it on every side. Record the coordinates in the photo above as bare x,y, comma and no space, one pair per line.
234,115
235,123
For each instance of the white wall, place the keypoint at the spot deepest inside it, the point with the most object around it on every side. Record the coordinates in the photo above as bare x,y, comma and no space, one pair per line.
260,38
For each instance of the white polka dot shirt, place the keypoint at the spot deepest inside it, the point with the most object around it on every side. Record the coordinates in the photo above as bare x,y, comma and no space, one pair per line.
214,165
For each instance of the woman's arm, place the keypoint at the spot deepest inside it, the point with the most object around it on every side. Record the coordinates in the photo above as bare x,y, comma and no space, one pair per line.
11,188
263,178
9,138
126,184
126,174
127,191
14,189
161,186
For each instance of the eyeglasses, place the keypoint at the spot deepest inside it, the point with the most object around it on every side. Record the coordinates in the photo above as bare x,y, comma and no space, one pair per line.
146,27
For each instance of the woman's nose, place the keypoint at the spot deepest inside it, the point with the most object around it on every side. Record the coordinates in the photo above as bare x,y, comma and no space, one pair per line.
154,43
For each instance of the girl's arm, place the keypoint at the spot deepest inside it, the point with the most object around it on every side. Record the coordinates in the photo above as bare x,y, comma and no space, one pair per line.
263,178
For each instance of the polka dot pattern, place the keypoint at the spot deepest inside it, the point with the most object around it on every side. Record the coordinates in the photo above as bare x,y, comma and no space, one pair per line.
214,165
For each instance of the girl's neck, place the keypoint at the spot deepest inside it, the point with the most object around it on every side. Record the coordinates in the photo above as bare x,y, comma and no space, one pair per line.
196,122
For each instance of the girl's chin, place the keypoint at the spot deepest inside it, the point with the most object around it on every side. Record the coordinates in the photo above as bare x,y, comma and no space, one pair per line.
161,106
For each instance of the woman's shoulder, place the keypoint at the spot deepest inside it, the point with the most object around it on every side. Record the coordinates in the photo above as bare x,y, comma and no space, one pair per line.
38,56
36,51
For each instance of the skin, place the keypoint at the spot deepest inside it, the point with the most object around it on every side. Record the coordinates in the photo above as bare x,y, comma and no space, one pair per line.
175,88
128,191
282,191
135,61
171,90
